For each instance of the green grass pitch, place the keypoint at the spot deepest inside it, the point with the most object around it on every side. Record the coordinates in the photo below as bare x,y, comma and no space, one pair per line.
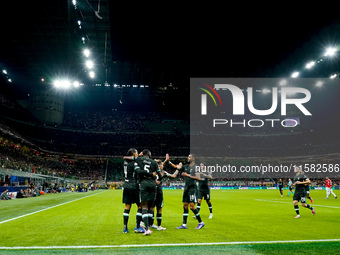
244,222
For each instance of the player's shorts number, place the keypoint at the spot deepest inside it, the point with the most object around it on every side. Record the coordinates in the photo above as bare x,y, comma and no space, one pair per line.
303,199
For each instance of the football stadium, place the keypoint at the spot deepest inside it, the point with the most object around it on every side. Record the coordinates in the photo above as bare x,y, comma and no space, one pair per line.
142,129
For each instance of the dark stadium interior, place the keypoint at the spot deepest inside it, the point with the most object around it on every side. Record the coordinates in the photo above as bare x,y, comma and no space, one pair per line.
139,96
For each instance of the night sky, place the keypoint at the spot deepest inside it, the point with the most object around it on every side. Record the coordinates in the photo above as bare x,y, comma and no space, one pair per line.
223,41
227,40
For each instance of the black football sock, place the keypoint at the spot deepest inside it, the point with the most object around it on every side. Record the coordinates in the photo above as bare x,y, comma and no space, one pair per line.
296,207
210,207
151,217
185,216
197,214
138,218
159,219
145,217
198,207
126,217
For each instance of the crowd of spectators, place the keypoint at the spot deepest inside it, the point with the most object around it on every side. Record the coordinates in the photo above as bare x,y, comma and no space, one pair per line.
88,138
26,159
111,121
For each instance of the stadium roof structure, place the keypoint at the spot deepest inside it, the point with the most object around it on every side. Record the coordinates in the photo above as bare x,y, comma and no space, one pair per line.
43,39
46,40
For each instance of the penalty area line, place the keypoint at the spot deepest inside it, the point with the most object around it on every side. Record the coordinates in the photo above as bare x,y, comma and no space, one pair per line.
163,245
45,209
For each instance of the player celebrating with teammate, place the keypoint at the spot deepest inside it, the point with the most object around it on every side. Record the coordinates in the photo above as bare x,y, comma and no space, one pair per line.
189,194
203,190
131,189
300,192
159,194
147,187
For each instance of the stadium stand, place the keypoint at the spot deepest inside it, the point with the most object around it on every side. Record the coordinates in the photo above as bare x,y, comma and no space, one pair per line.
80,147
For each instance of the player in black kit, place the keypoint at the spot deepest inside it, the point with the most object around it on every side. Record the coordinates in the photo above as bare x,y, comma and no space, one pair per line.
148,187
131,192
300,192
159,196
189,194
203,190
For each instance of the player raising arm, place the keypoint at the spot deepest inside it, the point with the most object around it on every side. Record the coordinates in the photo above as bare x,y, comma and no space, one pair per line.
159,194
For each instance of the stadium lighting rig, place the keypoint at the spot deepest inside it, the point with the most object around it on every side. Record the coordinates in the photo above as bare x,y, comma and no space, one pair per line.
329,53
89,64
9,79
319,84
66,84
295,74
92,74
310,65
87,53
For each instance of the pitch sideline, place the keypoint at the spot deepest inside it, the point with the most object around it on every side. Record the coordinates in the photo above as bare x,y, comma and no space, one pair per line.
163,245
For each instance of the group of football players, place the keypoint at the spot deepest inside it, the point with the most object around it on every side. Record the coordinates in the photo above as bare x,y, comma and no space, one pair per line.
143,187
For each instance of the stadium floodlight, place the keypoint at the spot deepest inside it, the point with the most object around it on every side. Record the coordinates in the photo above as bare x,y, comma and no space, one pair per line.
283,82
319,84
330,52
89,64
62,84
57,84
76,84
265,91
4,71
65,84
295,74
86,53
91,74
74,2
310,65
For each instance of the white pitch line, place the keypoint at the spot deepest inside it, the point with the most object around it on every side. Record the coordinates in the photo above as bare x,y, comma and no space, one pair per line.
276,201
163,244
22,216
